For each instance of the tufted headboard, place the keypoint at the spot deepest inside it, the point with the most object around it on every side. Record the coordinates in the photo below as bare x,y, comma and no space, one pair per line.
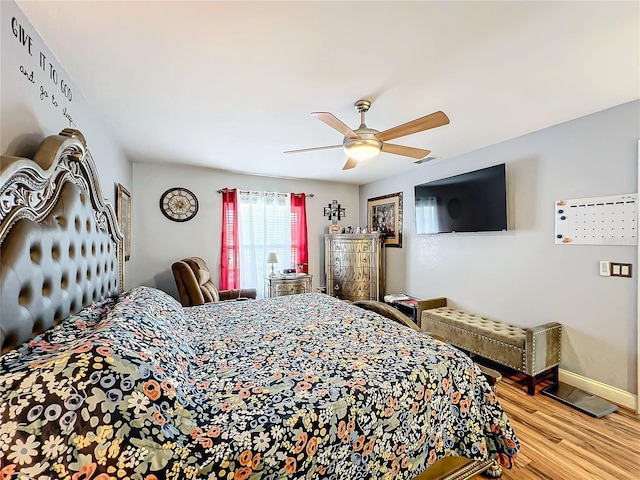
60,245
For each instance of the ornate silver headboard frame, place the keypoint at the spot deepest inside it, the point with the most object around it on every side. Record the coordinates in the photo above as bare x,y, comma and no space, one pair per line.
60,244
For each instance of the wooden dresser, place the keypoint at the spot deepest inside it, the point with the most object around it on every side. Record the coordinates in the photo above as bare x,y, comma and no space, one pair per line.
354,266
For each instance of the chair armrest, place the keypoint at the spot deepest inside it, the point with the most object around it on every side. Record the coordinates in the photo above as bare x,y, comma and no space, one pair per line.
237,293
428,304
432,303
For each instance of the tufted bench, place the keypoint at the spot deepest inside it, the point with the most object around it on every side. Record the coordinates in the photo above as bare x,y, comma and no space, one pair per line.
532,351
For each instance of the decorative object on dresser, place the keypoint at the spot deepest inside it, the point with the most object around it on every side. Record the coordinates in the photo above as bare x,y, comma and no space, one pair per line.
272,258
287,285
123,211
335,228
354,266
532,351
195,287
179,204
385,216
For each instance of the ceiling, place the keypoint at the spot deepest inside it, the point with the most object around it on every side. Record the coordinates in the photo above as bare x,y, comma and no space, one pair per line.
231,85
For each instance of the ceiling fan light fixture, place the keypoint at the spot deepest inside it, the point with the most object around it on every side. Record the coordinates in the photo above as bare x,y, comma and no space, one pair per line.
362,148
364,143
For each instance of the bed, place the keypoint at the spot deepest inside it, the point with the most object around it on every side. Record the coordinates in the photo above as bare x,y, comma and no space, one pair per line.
98,384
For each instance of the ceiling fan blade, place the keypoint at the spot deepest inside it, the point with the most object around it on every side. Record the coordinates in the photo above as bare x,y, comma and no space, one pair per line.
405,151
352,162
436,119
313,149
336,124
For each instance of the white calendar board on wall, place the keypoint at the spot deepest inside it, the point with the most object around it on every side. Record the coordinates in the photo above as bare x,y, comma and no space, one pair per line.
610,220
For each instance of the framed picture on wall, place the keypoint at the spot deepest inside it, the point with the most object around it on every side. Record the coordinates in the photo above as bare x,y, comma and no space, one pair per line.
335,228
385,216
123,208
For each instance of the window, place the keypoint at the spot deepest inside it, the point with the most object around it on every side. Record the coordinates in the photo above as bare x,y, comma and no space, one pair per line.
255,224
264,224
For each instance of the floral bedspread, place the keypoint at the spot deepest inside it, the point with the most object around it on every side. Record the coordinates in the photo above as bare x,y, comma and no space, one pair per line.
301,386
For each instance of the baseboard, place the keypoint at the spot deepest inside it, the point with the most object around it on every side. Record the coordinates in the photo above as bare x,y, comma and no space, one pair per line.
609,393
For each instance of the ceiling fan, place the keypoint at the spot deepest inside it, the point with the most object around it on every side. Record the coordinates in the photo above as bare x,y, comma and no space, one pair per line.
364,142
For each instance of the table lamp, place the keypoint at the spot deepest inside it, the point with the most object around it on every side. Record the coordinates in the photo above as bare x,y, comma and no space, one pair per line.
272,258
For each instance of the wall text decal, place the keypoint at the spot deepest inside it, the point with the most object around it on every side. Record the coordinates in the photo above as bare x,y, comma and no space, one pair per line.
46,92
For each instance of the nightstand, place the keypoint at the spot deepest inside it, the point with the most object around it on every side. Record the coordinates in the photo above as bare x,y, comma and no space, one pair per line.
408,306
287,285
414,306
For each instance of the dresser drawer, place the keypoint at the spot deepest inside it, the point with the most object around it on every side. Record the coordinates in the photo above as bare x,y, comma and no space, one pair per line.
279,286
291,288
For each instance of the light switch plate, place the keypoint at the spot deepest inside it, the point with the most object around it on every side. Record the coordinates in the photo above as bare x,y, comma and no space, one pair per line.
605,268
620,269
625,270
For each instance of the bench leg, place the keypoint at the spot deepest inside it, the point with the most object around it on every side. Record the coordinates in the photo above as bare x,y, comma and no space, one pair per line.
531,385
533,381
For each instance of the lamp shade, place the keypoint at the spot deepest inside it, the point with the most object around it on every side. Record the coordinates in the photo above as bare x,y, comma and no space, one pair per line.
272,257
362,148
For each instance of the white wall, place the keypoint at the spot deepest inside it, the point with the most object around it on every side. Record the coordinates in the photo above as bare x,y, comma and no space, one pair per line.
521,276
158,242
28,115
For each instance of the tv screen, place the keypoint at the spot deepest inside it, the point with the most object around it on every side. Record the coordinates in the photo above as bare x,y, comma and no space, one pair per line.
471,202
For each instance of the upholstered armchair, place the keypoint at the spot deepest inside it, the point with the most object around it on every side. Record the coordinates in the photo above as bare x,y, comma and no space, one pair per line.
195,287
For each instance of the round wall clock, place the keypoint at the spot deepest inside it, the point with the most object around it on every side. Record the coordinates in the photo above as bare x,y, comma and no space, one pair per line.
179,204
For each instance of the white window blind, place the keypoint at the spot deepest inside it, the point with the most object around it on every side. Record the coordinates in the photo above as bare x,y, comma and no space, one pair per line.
264,225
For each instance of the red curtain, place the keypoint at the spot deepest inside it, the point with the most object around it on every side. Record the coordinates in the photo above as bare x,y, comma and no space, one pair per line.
230,252
299,244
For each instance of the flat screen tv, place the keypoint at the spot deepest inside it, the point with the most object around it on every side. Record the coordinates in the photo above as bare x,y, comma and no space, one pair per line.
470,202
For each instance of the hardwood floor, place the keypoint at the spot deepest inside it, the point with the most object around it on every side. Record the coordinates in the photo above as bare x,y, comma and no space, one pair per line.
561,443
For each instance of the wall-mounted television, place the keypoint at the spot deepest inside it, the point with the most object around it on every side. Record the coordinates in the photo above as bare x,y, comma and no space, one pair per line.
470,202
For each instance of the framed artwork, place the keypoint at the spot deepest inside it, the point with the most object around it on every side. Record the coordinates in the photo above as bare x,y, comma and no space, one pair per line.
385,216
335,228
124,219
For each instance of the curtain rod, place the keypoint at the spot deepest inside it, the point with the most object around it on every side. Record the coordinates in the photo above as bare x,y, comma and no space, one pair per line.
249,191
